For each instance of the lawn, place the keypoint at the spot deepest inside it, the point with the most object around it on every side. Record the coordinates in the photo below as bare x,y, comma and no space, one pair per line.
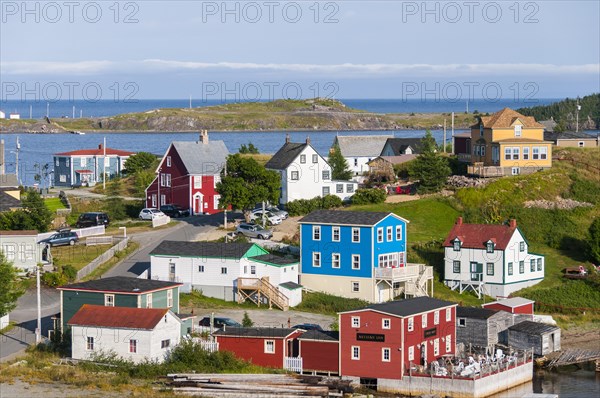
54,204
77,256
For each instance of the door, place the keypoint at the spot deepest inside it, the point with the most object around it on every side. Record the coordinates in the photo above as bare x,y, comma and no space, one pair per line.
198,204
476,271
172,272
424,353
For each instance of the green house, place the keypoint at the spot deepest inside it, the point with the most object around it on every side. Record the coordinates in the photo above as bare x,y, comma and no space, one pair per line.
121,291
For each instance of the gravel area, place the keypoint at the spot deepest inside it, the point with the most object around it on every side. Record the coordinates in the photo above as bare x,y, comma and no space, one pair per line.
20,389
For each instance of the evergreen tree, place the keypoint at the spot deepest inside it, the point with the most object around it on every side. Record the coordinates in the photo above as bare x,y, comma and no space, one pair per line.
247,322
430,168
39,215
339,166
139,162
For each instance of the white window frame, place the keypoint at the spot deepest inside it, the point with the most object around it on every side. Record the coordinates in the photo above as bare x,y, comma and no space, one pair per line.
350,188
357,258
197,182
315,158
436,318
355,286
316,232
153,197
303,158
525,153
170,298
316,259
543,153
89,343
165,343
223,270
448,343
269,346
424,320
507,153
386,352
516,153
355,321
335,260
411,353
326,191
253,269
410,324
83,161
294,175
326,175
133,344
109,300
399,232
518,130
355,353
379,234
335,231
339,188
448,314
168,161
461,322
456,244
200,268
149,299
436,347
389,233
355,234
386,323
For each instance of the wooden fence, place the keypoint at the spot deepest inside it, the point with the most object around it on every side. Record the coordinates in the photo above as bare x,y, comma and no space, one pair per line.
104,257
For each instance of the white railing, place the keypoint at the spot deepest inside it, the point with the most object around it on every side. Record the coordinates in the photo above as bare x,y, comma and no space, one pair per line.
81,232
293,363
99,240
399,273
158,221
207,345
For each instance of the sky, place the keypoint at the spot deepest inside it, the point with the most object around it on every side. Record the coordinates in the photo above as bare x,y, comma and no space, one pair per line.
260,50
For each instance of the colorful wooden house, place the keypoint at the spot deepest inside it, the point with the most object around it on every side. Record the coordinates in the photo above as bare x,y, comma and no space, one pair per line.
320,352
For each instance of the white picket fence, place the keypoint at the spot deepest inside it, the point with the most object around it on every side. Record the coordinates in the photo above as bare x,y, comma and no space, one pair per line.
81,232
207,345
99,240
158,221
293,363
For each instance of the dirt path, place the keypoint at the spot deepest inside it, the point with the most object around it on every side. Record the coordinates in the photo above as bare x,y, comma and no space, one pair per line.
20,389
577,337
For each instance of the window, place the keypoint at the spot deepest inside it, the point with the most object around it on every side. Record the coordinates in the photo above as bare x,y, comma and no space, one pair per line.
539,264
411,353
197,182
168,161
162,179
153,200
294,175
489,268
490,247
507,153
223,270
90,344
436,347
543,152
356,235
388,260
411,324
339,188
133,346
165,343
355,162
326,175
356,261
424,320
109,300
532,265
169,298
390,231
521,246
481,130
379,235
355,287
386,323
83,162
163,200
398,232
335,234
316,232
316,259
456,245
335,260
483,150
326,191
62,178
67,162
350,188
302,158
355,352
525,153
521,267
201,268
536,153
149,300
355,321
385,354
253,270
269,346
515,153
448,343
456,266
448,314
510,268
477,153
57,163
462,322
581,144
315,158
518,131
540,152
436,318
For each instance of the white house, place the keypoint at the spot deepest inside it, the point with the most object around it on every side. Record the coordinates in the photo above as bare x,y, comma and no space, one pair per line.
14,116
134,334
305,174
2,115
22,250
216,269
490,259
360,149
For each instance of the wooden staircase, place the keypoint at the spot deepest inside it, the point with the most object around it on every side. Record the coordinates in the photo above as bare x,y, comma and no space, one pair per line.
261,291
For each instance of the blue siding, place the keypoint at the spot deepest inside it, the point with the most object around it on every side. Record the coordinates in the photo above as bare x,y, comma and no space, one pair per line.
393,246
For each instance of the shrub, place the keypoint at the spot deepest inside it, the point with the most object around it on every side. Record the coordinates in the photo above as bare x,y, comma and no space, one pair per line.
584,190
247,322
301,207
366,196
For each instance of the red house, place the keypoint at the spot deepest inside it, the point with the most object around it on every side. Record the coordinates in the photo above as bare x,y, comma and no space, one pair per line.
188,174
319,351
514,305
262,346
382,340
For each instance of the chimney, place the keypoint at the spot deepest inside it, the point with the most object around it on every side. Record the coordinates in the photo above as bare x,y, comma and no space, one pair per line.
459,221
287,138
204,136
100,146
513,223
307,140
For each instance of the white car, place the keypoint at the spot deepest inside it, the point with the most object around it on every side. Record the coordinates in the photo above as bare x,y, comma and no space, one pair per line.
150,214
257,216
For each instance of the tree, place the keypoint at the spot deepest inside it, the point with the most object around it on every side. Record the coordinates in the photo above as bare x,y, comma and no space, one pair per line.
430,168
11,288
115,205
594,242
39,215
247,322
250,148
339,166
139,162
41,177
246,184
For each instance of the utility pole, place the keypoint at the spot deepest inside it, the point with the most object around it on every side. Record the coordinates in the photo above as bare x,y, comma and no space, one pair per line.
225,212
104,163
578,109
17,159
452,132
444,135
47,109
38,330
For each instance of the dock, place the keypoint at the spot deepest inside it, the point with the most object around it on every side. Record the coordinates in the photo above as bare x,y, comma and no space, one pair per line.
572,357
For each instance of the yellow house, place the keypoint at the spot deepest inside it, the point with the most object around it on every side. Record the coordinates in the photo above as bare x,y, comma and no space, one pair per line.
508,143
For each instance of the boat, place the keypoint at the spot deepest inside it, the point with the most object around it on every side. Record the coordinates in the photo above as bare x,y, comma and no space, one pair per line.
77,132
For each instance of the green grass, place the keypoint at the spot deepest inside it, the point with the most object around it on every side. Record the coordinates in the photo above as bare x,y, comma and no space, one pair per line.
323,303
54,204
197,300
105,267
77,256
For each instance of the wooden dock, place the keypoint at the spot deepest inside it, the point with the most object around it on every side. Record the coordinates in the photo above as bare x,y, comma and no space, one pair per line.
572,357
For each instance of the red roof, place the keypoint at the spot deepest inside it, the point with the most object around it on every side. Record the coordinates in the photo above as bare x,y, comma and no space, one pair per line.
475,236
96,152
118,317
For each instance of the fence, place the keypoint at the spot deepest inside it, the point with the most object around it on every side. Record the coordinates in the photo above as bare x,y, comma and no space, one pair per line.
293,363
207,345
88,269
158,221
99,240
81,232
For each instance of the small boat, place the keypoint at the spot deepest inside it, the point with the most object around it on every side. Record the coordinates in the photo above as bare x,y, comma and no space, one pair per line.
78,132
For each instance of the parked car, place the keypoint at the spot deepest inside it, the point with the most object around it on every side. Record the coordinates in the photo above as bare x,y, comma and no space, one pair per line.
218,323
254,231
174,211
151,213
61,237
307,326
257,216
278,212
92,219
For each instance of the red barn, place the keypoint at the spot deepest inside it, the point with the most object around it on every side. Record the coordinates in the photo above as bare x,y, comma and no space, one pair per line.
266,347
188,174
514,305
319,351
380,341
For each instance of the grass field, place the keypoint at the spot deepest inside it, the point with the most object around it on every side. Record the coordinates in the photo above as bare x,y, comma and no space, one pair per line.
77,256
54,204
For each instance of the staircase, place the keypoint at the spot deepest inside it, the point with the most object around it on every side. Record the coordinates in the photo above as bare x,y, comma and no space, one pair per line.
260,290
418,287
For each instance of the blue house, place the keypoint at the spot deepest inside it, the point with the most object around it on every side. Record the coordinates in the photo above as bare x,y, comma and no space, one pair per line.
359,254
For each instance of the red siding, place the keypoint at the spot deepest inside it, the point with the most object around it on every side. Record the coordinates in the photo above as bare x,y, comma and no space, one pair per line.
253,350
417,337
322,356
462,145
522,309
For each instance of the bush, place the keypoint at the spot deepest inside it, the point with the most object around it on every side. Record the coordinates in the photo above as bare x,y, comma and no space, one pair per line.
301,207
366,196
584,190
247,322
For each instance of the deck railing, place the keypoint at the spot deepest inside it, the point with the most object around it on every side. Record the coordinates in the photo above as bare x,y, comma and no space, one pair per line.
293,363
409,271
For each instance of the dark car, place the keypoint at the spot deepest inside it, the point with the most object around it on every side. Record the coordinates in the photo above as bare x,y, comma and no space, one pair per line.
92,219
62,237
218,323
308,326
174,211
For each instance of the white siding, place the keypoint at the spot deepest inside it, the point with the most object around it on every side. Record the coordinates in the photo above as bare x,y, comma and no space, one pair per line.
4,320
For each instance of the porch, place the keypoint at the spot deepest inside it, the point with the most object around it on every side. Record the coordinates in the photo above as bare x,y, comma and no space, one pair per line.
478,287
261,291
413,280
479,170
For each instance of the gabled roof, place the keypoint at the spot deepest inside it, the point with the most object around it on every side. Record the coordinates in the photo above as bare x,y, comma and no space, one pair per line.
285,155
511,302
275,333
395,159
505,118
121,284
96,152
29,232
118,317
341,217
475,236
567,135
407,307
399,145
7,201
202,158
531,327
8,181
202,249
476,313
275,259
320,335
361,145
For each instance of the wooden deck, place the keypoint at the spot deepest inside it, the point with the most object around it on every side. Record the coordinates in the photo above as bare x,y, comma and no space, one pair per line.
571,357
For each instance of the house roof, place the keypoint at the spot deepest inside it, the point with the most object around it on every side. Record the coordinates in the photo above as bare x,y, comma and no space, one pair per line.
361,145
531,327
340,217
275,259
395,159
475,236
276,333
320,335
567,135
7,201
29,232
548,125
96,152
399,145
505,118
290,285
407,307
512,302
118,317
201,158
476,313
8,181
462,135
121,284
285,155
517,140
202,249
